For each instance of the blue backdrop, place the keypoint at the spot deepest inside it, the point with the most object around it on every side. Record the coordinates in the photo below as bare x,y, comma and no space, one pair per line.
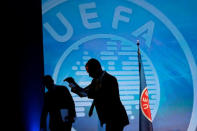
75,31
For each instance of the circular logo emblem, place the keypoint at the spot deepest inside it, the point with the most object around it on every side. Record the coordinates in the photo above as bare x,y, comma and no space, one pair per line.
76,31
119,58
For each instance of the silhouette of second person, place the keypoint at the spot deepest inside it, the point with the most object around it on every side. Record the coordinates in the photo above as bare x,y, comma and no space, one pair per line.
104,91
57,100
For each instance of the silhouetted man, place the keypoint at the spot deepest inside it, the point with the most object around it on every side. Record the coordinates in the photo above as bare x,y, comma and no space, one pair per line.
105,94
56,100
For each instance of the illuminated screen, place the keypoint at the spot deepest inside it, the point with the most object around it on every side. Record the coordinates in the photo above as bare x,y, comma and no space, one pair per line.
75,31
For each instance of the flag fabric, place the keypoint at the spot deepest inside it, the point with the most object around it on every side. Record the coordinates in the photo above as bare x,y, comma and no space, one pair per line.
145,120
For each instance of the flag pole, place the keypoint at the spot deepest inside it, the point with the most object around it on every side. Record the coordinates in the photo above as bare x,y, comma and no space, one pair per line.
145,120
139,65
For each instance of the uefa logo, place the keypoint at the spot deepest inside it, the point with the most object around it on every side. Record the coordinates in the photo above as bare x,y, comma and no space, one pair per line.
75,31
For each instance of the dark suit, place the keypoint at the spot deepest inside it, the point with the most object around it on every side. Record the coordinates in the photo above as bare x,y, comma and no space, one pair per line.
59,98
106,97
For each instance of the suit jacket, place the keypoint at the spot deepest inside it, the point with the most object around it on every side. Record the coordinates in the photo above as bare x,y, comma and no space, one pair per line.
106,97
54,101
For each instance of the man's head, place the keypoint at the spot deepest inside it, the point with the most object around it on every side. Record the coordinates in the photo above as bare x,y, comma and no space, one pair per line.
48,82
93,67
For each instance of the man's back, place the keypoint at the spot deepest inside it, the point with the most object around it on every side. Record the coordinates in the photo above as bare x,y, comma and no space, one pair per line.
107,101
56,100
59,98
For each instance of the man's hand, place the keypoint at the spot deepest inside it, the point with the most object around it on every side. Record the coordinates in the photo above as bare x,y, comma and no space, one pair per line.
69,80
75,87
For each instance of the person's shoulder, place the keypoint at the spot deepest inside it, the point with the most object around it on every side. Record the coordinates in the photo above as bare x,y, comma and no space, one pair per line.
109,76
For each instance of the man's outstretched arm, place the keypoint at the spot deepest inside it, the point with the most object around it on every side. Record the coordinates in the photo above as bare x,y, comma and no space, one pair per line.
75,88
